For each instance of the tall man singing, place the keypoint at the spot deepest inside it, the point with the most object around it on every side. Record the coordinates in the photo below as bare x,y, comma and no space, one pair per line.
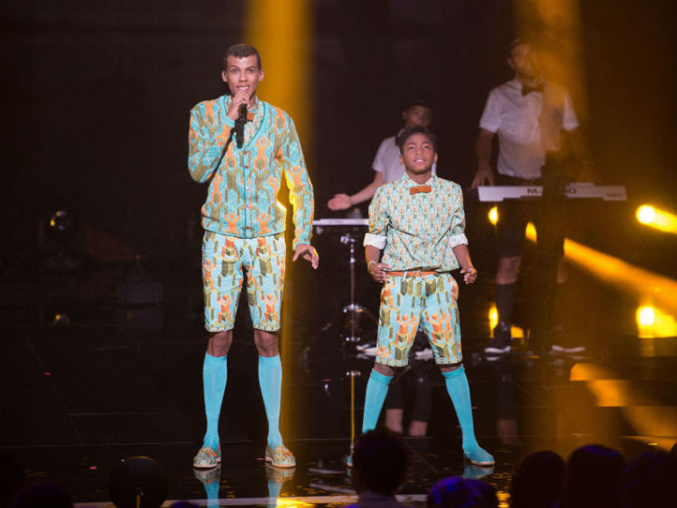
242,146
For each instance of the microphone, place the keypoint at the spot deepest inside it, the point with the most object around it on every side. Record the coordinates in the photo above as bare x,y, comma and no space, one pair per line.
243,112
239,125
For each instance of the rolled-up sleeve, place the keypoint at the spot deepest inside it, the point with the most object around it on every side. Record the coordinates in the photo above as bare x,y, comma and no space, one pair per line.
457,230
378,221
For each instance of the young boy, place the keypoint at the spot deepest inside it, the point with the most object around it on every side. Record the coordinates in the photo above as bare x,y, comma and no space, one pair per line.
418,222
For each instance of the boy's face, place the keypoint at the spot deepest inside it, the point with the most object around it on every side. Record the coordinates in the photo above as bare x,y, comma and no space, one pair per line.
242,74
418,154
417,116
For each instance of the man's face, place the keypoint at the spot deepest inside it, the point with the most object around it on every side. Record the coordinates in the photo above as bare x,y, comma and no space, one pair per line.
418,154
523,61
417,116
242,74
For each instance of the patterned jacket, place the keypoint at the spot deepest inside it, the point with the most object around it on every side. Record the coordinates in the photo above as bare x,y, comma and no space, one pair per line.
244,182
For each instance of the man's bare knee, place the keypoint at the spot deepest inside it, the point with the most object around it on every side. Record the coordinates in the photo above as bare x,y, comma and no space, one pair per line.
267,343
218,343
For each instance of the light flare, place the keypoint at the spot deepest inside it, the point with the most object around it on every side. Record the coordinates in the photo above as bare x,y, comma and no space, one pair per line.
658,219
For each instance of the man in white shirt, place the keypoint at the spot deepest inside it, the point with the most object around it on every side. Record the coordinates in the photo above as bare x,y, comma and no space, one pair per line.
530,117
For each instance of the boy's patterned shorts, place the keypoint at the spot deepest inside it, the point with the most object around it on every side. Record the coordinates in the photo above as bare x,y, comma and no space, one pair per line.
406,300
225,260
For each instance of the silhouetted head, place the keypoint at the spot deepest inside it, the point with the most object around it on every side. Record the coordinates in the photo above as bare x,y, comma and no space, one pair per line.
457,492
650,479
592,478
538,480
379,462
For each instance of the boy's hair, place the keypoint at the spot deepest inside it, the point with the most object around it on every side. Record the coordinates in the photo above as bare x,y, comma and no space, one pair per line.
409,132
241,51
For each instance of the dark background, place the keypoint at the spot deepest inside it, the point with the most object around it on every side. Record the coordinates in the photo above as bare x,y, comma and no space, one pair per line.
96,94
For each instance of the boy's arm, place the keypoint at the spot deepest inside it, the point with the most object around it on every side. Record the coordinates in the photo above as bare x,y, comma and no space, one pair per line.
376,270
467,269
375,240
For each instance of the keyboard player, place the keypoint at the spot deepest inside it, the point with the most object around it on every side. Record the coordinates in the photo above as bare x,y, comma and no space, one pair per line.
532,119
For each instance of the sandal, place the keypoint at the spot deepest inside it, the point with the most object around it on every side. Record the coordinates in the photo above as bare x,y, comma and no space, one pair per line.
206,458
280,457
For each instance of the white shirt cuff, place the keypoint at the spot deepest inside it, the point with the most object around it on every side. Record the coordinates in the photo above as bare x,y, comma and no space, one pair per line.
377,241
457,240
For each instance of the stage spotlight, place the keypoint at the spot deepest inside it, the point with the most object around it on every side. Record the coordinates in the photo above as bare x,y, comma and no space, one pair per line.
657,219
493,215
652,323
515,332
61,319
493,317
646,214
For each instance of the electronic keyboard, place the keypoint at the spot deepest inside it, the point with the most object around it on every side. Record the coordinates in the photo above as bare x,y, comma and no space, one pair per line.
573,190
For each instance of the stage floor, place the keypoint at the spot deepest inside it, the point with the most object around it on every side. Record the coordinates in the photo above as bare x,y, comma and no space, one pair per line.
89,380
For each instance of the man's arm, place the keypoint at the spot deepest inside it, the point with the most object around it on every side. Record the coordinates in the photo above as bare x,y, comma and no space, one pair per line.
207,140
344,201
301,196
484,175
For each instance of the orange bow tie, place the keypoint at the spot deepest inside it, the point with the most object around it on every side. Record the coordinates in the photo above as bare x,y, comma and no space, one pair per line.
420,188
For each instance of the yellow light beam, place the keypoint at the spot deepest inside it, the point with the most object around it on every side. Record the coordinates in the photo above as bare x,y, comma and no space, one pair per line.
556,29
652,421
621,274
282,32
657,219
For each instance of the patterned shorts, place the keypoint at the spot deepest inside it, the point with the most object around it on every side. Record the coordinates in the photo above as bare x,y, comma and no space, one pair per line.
225,260
407,300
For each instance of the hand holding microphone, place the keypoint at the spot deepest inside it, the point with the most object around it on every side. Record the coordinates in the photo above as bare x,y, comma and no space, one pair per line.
240,99
239,125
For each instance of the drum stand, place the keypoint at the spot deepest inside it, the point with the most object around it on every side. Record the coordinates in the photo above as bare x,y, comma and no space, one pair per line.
353,308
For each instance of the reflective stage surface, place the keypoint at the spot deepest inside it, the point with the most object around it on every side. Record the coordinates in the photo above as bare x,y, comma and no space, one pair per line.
102,364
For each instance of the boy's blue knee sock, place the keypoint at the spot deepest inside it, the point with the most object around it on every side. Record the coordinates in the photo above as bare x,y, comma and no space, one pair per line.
377,389
459,391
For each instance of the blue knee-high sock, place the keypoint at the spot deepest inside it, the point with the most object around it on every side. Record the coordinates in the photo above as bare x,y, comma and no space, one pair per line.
212,491
214,377
270,380
274,489
459,391
377,389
